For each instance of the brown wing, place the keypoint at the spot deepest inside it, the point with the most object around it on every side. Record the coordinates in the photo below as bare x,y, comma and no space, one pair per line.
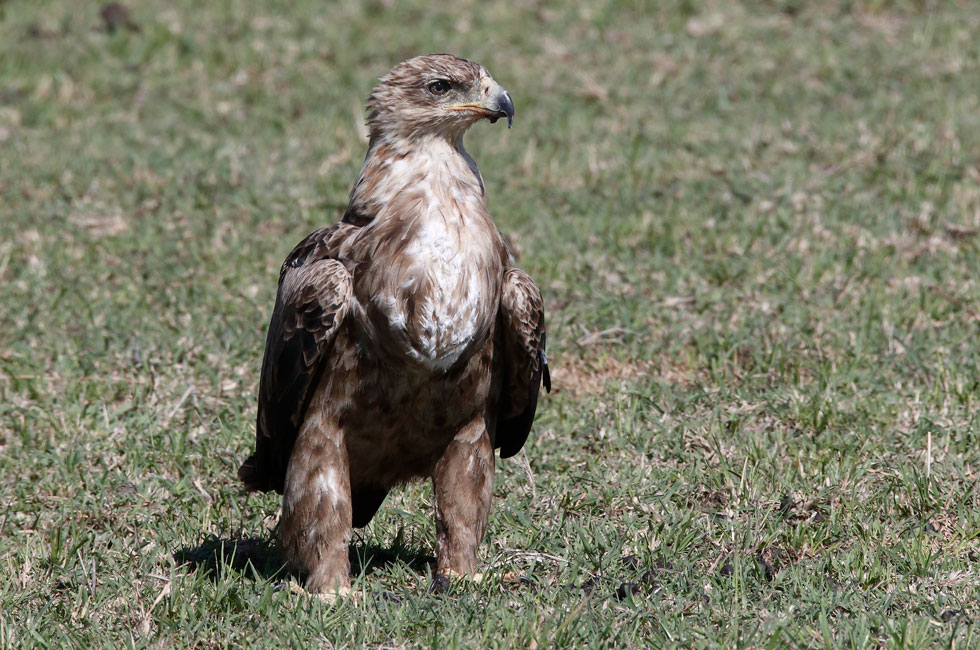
314,295
525,364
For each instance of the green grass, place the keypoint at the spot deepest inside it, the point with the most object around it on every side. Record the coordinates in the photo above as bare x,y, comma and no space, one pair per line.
756,228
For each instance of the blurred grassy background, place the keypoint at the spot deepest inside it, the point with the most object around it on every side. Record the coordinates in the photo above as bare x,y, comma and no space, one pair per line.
756,228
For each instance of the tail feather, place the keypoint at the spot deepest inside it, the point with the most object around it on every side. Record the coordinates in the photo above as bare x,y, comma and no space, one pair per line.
249,474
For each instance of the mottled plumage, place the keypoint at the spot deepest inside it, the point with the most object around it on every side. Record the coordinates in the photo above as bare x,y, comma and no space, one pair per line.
403,342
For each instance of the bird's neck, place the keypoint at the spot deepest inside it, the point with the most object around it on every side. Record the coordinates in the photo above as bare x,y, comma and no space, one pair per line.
397,167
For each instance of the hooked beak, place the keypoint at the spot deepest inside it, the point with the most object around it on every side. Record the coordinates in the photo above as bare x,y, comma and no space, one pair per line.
498,105
504,106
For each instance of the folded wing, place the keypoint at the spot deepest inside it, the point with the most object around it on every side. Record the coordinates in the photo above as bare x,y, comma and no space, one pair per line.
312,302
525,363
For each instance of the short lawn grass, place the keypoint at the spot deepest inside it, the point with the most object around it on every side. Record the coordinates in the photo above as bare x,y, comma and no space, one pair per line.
756,228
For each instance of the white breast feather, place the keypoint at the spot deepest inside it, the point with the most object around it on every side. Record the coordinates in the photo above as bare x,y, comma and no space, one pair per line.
450,317
450,312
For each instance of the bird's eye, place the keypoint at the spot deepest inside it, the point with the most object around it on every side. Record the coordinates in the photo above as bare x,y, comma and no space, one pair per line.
439,87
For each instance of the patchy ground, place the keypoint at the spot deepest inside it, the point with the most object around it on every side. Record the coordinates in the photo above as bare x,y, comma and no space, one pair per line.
756,228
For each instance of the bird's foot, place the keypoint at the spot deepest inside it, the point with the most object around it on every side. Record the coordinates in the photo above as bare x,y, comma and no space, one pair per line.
329,596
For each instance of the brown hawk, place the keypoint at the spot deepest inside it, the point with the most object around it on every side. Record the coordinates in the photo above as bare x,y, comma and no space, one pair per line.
403,343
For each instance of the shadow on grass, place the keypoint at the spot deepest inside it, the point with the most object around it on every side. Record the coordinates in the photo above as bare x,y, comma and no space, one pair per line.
253,557
259,558
367,558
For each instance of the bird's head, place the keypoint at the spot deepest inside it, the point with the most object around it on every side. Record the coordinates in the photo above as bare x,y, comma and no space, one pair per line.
435,95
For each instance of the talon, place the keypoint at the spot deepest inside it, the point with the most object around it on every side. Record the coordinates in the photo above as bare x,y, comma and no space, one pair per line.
330,597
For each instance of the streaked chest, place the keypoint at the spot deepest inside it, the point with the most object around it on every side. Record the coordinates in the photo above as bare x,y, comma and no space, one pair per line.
434,281
449,293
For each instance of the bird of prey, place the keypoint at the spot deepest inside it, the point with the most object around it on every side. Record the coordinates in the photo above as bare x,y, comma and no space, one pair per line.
404,342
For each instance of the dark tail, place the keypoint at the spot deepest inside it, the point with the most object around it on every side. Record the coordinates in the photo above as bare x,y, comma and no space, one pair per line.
250,475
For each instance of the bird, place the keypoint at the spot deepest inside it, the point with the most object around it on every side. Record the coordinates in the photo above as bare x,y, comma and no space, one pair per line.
404,343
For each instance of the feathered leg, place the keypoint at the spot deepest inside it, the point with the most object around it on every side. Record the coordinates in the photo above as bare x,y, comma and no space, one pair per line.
315,530
463,482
